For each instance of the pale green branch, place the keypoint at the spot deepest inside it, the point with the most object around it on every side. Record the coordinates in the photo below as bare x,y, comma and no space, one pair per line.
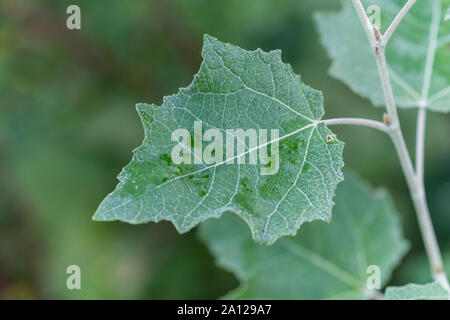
415,184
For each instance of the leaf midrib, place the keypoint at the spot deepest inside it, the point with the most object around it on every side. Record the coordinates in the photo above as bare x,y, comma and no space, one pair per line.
432,47
321,262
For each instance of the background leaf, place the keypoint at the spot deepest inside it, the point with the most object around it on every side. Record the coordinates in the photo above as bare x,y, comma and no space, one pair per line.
324,261
423,34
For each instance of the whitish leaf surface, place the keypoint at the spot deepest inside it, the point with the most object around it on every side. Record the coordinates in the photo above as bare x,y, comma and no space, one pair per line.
324,261
234,89
429,291
418,53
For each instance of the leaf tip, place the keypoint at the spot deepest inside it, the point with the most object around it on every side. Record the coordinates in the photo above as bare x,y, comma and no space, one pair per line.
208,39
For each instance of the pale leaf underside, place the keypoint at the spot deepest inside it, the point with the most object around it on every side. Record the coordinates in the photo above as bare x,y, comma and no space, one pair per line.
234,89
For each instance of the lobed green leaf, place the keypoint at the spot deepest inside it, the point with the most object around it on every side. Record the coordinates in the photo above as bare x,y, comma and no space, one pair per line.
234,89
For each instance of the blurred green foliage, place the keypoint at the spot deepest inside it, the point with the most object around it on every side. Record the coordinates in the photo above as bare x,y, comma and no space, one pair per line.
68,125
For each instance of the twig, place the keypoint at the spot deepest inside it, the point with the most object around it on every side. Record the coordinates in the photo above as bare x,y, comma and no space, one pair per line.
368,28
420,142
395,23
416,186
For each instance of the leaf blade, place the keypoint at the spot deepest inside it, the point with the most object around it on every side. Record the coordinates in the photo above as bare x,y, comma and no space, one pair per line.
234,89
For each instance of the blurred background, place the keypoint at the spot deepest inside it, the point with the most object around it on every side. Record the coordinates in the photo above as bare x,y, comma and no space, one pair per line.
68,125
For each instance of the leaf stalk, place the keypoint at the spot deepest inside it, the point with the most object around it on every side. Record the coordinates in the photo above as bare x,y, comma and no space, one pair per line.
359,122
